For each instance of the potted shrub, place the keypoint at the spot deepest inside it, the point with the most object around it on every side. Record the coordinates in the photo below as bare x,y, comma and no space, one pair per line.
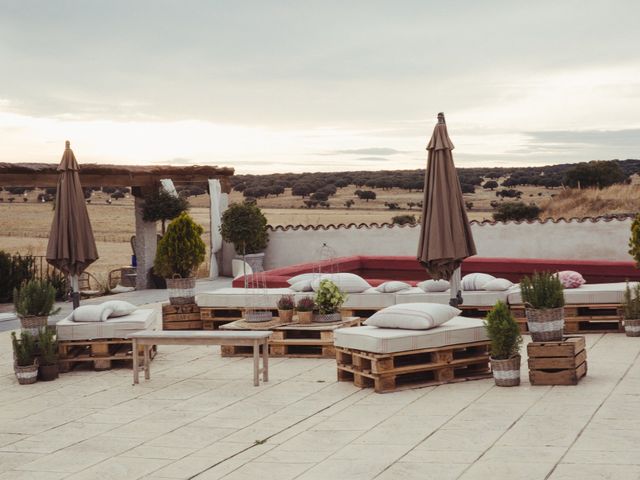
25,364
180,253
285,308
305,308
504,333
34,302
48,346
244,225
328,300
543,297
631,311
161,205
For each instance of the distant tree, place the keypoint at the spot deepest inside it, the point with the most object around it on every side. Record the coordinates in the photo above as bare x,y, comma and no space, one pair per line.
517,211
25,199
494,204
368,195
357,193
411,205
310,203
324,204
162,206
117,194
509,193
320,196
467,188
329,189
301,189
240,187
598,174
341,183
11,199
493,175
491,184
349,203
392,205
52,190
109,190
469,205
276,190
404,220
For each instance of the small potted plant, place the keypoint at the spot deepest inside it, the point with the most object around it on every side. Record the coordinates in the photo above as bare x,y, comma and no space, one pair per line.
329,299
245,226
543,296
25,363
285,308
305,308
504,333
48,364
631,310
34,302
180,253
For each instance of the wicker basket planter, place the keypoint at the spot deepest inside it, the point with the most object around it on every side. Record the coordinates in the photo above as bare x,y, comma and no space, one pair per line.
26,375
182,291
305,317
327,317
545,325
285,315
632,327
46,373
33,323
506,373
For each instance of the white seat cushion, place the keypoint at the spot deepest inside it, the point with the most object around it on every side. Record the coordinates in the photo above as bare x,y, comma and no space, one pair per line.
119,327
240,297
590,293
389,340
479,298
372,300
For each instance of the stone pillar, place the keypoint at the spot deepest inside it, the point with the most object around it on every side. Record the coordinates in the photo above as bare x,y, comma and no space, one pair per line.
146,245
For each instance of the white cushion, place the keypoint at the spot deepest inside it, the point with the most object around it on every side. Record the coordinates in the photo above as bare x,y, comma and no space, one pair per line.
392,287
241,297
120,327
413,316
386,340
481,298
119,307
346,282
370,299
594,293
476,281
302,286
302,277
498,285
91,313
434,285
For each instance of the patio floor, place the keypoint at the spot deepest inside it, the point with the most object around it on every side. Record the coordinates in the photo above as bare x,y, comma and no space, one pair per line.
200,417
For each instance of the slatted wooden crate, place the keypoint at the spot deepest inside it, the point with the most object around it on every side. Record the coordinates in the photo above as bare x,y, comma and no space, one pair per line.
389,372
99,354
593,318
557,363
181,317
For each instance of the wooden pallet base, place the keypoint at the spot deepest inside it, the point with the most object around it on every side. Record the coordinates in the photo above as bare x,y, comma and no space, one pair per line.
100,354
181,317
557,363
416,368
594,318
214,318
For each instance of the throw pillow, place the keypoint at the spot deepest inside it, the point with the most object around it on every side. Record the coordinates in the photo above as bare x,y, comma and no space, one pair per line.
120,308
303,277
476,281
498,285
413,316
346,282
571,279
91,313
392,287
301,286
434,285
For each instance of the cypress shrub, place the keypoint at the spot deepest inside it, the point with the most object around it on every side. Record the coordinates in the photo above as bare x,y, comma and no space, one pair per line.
181,250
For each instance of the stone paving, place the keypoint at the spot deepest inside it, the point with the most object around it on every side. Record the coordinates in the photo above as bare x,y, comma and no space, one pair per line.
200,417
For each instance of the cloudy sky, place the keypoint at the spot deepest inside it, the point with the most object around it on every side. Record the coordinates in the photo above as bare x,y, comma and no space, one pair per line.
274,86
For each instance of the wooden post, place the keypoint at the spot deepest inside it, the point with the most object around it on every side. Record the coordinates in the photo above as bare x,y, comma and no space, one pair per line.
256,363
265,360
146,241
134,352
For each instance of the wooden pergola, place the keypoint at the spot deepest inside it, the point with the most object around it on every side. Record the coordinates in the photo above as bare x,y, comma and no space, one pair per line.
142,180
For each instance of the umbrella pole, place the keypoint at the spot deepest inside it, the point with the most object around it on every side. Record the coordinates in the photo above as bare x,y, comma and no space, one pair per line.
456,290
75,295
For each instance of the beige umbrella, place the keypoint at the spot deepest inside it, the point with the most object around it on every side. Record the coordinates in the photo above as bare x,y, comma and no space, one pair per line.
71,247
445,237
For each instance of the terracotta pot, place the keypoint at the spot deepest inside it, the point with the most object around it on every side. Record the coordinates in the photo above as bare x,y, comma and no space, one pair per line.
506,373
285,315
46,373
305,317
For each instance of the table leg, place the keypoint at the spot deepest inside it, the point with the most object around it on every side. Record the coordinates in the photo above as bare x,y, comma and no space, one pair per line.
147,362
265,360
256,363
134,352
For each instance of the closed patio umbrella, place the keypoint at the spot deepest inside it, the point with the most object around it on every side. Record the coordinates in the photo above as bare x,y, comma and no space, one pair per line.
445,236
71,246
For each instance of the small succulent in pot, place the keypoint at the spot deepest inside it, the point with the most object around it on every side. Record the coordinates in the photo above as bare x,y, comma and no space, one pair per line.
285,308
305,308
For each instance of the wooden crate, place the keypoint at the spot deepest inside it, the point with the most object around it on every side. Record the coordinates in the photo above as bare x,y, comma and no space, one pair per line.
97,353
389,372
557,363
593,318
181,317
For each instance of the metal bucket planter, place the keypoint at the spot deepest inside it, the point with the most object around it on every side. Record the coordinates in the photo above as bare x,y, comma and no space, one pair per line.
258,316
545,325
285,315
182,291
33,324
327,317
632,327
26,375
255,261
506,373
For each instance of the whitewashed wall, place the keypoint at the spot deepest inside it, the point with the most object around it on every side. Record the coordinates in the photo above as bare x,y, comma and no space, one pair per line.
586,239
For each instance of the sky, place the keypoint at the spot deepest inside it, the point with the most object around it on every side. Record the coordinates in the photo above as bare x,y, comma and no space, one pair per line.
327,85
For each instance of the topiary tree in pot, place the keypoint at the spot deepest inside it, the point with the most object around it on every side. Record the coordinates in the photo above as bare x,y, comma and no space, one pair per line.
162,206
245,226
180,253
34,301
543,296
25,364
504,333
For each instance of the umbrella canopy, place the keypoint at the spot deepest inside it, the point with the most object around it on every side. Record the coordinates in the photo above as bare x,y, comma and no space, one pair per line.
445,237
71,247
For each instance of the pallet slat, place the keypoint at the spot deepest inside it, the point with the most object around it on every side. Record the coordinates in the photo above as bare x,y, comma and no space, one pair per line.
98,353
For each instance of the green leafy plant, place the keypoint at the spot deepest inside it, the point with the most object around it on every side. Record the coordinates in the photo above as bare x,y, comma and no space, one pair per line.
329,298
517,211
35,298
542,290
24,348
244,225
162,206
181,250
306,304
634,241
48,346
631,304
286,302
503,331
14,270
59,282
